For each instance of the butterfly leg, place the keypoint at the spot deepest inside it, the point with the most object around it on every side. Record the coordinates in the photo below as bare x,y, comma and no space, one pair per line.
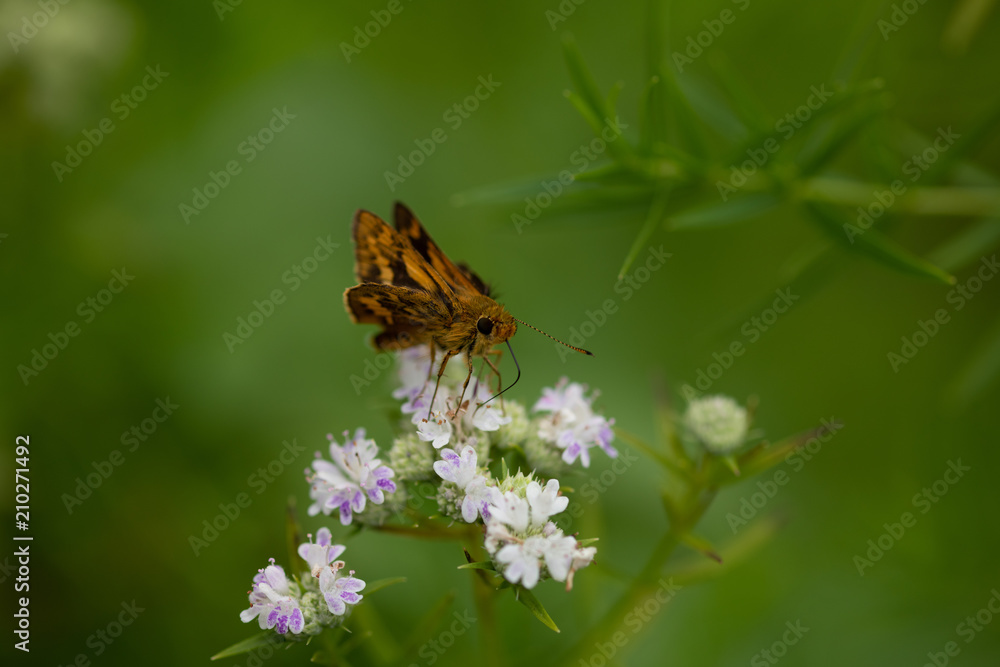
461,397
430,369
444,363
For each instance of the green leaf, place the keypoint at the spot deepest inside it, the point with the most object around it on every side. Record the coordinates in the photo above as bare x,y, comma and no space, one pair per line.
721,213
655,217
425,628
477,565
875,245
379,584
749,109
969,141
653,134
979,371
812,159
967,245
528,599
583,80
701,545
267,638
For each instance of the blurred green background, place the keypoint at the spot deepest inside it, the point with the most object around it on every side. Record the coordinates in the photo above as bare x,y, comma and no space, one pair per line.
162,336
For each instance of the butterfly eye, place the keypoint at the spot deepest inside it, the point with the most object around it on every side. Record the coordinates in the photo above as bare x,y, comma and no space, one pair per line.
485,326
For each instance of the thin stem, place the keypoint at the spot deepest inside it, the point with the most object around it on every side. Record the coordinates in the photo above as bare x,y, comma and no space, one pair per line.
695,502
429,531
485,597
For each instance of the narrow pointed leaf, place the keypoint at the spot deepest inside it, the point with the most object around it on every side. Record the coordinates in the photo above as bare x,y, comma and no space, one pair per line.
811,161
582,79
654,219
721,213
875,245
478,565
966,143
528,599
379,584
701,545
749,540
749,109
267,638
967,245
979,371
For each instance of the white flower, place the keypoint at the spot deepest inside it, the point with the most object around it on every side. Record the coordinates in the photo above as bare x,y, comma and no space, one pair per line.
353,475
718,422
511,509
437,430
273,603
489,418
571,423
521,561
544,502
463,471
320,553
338,590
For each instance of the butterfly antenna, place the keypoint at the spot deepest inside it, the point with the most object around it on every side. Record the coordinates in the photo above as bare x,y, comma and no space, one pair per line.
578,349
517,366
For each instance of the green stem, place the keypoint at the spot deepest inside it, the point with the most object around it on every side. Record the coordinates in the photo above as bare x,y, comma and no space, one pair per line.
429,531
484,597
695,502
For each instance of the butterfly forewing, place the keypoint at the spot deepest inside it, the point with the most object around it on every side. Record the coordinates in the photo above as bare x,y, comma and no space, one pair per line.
459,276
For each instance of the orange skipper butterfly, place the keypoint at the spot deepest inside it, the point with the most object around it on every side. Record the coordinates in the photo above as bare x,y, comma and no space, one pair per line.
419,296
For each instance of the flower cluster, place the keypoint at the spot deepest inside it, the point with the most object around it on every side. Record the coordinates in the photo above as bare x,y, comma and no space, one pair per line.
353,477
719,423
524,544
305,606
571,424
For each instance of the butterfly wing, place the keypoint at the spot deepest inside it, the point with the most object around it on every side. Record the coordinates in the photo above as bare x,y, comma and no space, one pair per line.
383,255
407,316
459,276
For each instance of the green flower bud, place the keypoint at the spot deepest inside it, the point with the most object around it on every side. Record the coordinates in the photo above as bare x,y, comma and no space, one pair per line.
718,422
412,459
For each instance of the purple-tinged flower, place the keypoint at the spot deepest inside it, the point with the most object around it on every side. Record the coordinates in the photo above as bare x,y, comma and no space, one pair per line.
571,424
463,471
339,590
273,603
354,475
320,553
521,561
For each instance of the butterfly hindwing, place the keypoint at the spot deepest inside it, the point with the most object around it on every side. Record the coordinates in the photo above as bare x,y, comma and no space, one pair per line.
407,316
